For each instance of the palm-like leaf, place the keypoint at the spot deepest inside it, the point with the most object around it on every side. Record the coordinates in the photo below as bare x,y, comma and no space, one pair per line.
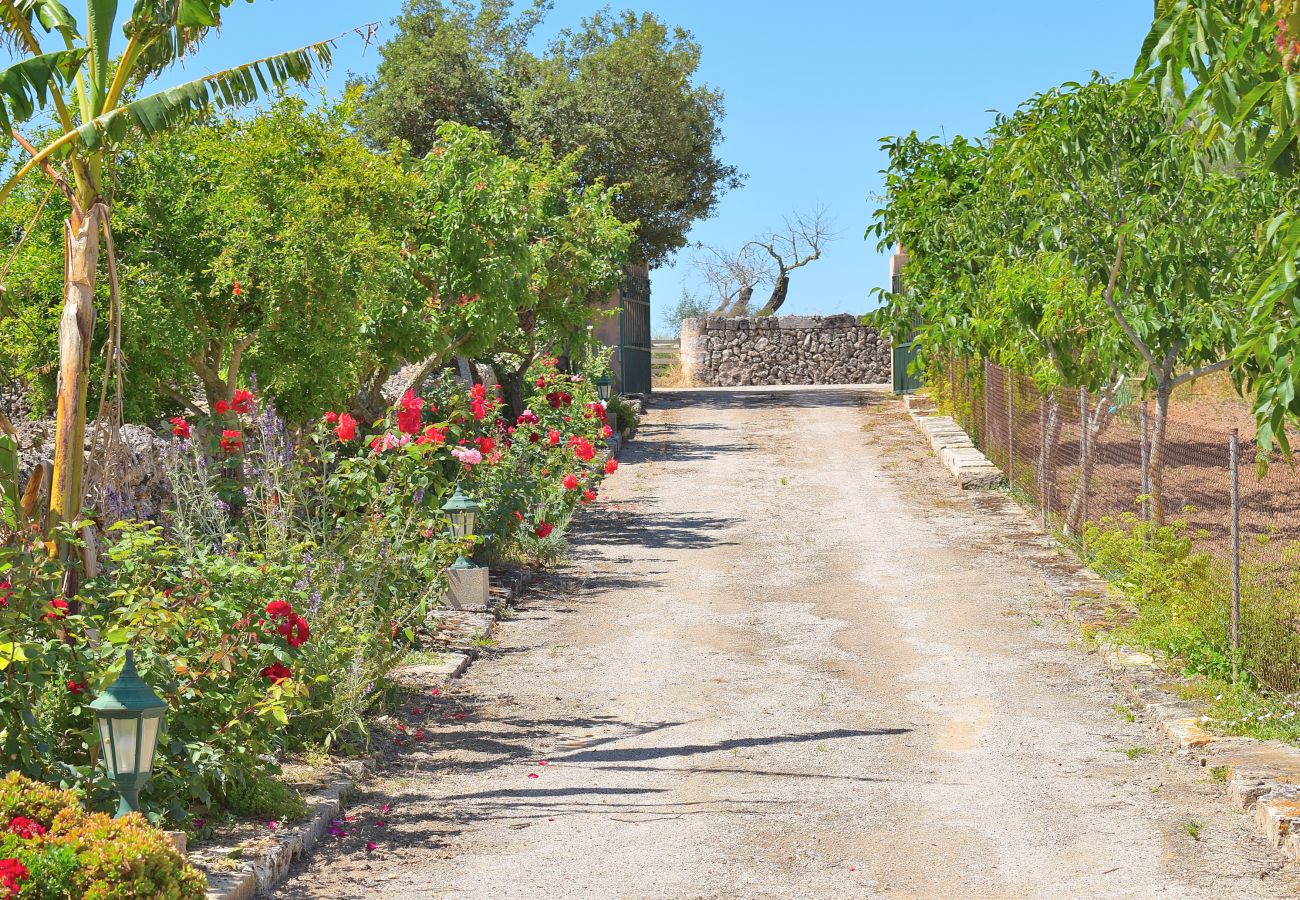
24,86
169,30
17,16
232,87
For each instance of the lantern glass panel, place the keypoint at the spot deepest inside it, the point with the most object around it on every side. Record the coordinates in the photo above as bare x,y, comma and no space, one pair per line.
149,725
462,524
125,734
106,745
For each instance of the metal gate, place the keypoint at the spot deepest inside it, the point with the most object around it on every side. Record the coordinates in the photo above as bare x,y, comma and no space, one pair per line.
634,348
905,381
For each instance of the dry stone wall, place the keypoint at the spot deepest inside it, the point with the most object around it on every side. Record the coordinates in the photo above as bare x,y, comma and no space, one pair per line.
784,350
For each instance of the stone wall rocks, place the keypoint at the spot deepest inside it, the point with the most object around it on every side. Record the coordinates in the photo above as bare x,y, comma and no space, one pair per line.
788,350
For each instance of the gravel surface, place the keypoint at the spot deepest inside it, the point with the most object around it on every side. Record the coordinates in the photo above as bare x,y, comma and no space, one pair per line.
788,659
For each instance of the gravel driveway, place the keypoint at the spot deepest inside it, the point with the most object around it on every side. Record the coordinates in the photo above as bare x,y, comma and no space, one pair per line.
788,659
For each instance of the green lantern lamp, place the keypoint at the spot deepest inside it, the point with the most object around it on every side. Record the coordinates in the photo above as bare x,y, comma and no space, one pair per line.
605,386
463,513
129,717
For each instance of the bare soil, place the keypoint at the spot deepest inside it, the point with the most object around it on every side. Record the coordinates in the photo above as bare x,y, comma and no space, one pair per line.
788,659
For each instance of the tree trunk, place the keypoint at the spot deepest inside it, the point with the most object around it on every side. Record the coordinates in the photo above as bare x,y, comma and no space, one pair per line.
76,330
1054,425
1097,425
512,389
1156,461
779,291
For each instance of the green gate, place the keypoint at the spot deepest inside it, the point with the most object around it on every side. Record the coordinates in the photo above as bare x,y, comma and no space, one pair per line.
635,352
905,381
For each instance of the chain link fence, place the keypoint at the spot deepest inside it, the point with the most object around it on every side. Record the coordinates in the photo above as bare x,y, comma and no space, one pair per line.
1206,542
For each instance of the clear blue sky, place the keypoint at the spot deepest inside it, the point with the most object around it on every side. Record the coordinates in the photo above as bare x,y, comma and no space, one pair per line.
810,89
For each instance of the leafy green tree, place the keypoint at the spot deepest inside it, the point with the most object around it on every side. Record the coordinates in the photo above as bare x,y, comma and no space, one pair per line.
577,250
280,234
622,88
98,98
1168,237
1229,67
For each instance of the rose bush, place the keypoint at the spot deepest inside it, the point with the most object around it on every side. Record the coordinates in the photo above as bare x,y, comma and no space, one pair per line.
291,576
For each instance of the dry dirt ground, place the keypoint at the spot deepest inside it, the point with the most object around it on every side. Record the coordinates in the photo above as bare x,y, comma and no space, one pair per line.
788,659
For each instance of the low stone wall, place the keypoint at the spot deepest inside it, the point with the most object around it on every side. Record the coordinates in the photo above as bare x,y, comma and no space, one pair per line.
783,350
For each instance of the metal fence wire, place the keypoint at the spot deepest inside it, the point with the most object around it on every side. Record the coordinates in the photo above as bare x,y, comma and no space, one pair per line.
1221,566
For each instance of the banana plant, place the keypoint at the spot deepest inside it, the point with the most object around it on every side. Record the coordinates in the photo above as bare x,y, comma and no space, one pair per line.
98,95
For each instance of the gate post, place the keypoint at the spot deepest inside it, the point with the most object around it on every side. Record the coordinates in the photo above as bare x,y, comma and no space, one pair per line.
1234,467
1083,466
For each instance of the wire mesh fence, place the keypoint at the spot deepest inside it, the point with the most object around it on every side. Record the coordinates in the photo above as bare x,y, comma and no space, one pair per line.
1206,541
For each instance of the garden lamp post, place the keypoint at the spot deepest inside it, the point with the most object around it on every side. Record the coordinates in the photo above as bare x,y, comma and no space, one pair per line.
605,386
129,718
463,513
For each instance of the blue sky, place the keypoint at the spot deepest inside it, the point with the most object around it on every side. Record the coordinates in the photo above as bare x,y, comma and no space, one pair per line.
810,89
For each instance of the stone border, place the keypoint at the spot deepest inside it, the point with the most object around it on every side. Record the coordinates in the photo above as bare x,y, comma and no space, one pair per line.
258,875
969,467
1261,778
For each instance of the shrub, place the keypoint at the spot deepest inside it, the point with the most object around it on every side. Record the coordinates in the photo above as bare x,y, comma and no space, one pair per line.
55,849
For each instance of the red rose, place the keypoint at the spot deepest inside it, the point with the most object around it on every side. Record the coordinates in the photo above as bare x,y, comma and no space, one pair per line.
611,467
180,427
232,441
544,530
408,419
242,402
433,435
570,482
331,417
583,450
238,290
486,445
588,496
76,687
279,609
6,591
58,609
607,431
553,438
296,631
347,429
221,407
277,672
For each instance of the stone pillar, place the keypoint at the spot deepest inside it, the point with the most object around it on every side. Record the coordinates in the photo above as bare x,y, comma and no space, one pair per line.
467,589
694,350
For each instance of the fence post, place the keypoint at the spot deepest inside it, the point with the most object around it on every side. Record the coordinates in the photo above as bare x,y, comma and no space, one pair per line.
952,387
1010,384
1083,466
1146,462
1234,466
984,429
1042,460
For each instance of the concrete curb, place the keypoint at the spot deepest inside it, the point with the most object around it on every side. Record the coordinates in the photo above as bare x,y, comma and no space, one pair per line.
265,867
1261,778
969,467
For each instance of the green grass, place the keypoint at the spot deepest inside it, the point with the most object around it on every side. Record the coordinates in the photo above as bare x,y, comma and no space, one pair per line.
1124,712
1193,830
1136,752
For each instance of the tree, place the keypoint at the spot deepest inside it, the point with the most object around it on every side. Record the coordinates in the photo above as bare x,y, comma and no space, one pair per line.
1168,236
450,61
103,104
732,277
1229,69
577,247
281,235
796,245
621,88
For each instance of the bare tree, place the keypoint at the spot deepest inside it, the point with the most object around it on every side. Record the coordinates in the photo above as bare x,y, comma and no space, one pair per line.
733,277
799,243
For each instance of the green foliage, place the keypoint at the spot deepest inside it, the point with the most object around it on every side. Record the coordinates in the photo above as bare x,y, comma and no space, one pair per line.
72,853
283,234
1176,590
621,88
